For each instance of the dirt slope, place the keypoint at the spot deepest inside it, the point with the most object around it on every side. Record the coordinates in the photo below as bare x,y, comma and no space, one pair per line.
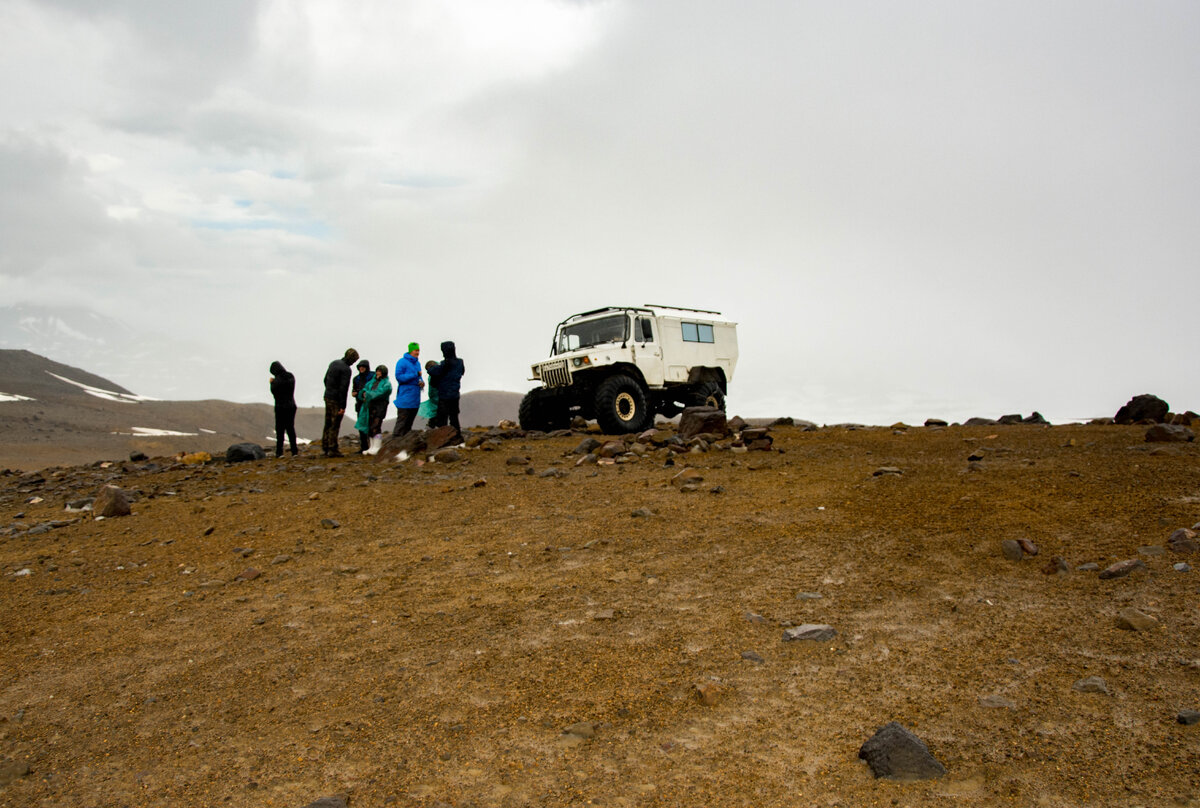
433,647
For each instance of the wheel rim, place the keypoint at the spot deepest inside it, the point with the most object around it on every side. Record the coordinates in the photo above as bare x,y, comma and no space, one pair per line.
626,407
711,401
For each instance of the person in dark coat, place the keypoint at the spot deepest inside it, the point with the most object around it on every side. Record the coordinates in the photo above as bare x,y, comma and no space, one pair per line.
337,387
363,376
283,388
446,377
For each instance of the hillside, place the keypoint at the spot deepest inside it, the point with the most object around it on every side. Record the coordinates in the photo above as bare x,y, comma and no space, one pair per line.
513,625
54,414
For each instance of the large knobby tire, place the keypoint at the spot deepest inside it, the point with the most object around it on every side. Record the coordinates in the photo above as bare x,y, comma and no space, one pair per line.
541,412
621,406
708,394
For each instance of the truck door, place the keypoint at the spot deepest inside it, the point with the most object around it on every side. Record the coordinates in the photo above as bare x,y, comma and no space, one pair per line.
647,350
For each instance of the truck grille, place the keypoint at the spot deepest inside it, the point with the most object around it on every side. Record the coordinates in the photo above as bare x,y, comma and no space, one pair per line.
554,374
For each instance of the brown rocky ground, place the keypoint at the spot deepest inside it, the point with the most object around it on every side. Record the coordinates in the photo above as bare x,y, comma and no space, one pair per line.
434,647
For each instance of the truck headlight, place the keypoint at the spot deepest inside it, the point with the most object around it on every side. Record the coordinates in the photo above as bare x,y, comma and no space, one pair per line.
580,361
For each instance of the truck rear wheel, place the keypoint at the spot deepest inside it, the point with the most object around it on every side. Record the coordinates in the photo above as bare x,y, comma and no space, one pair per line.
621,405
708,394
542,412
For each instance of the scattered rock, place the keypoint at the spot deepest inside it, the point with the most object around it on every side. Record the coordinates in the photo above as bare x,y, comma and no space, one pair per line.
1090,566
1131,619
1028,547
1035,418
11,770
641,513
815,632
751,617
751,656
1145,407
1008,420
895,753
554,472
977,421
136,456
330,524
935,422
1183,541
517,461
282,558
1122,568
708,693
1092,684
696,420
582,729
1169,433
1011,549
886,470
440,436
976,456
399,448
243,452
1055,565
1182,566
688,476
1188,717
447,455
586,446
809,596
110,501
997,702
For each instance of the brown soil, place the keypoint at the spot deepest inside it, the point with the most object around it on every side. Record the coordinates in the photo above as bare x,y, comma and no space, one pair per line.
433,647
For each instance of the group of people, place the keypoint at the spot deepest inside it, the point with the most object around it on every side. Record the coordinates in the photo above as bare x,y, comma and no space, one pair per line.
372,389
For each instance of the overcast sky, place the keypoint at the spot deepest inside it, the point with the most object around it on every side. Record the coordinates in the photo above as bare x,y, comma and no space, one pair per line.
911,209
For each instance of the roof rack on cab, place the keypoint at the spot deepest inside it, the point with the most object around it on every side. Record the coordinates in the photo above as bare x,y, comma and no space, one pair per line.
681,308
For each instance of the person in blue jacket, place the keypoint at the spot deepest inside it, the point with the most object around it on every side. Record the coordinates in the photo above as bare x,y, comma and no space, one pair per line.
409,385
447,378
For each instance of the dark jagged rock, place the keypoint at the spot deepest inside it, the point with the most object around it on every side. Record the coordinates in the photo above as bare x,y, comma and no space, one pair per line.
586,446
1183,540
243,452
696,420
1010,419
110,502
440,436
1035,418
1169,433
979,422
1145,407
895,753
935,422
409,443
1122,568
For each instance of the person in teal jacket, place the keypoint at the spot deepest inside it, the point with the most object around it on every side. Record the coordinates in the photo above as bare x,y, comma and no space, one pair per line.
375,394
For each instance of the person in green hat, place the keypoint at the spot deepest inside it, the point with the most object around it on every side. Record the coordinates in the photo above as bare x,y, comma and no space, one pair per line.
409,384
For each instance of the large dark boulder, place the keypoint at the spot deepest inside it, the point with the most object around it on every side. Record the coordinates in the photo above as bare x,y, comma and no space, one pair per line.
1036,418
896,754
110,501
409,444
242,452
1142,408
697,420
440,436
1169,433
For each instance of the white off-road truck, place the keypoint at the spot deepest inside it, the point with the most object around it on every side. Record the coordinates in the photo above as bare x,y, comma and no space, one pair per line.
623,364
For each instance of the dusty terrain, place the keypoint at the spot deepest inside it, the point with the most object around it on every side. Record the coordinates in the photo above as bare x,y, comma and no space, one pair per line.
437,644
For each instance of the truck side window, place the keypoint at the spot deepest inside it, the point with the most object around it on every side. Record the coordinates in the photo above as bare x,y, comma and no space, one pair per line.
646,330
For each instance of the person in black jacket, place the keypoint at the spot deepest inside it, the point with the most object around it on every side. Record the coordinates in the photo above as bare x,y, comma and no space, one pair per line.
364,375
446,378
337,387
283,388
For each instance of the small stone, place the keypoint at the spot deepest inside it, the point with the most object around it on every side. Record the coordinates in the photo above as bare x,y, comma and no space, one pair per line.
1028,547
708,693
1182,566
517,461
1122,568
751,617
330,524
110,502
1188,717
1090,566
582,729
641,513
809,596
976,456
480,483
1092,684
1011,550
815,632
886,470
751,656
1055,565
1169,433
12,770
248,574
895,753
282,558
997,702
1183,541
447,455
1131,619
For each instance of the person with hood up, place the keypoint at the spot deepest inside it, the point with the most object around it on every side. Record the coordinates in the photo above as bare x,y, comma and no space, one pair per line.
337,387
408,389
375,402
283,388
364,375
446,377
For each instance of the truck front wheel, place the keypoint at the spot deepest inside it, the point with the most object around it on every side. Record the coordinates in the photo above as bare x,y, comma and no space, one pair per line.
621,405
542,411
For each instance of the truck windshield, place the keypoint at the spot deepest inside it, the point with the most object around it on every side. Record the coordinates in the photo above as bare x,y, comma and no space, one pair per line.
592,332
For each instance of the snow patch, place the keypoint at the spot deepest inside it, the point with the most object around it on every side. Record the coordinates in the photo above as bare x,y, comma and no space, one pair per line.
107,395
150,432
14,397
